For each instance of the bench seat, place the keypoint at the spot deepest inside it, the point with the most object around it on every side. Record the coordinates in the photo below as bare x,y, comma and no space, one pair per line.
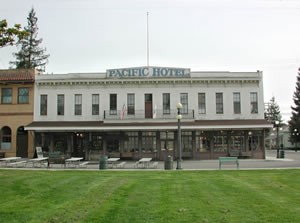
56,158
121,165
228,160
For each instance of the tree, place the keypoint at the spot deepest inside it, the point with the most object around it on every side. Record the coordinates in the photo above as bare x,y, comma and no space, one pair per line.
31,55
294,123
272,113
11,36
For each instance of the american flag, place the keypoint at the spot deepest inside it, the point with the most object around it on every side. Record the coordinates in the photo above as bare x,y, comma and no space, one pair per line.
123,112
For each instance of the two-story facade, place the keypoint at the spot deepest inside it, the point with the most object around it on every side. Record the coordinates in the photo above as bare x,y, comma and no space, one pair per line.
131,113
16,111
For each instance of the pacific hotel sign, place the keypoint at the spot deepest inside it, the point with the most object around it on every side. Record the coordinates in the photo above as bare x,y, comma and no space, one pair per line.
148,72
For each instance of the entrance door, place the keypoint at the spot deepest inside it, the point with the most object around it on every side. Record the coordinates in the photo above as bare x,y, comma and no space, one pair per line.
148,106
22,142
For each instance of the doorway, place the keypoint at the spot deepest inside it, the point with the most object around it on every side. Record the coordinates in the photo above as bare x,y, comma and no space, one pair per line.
148,106
22,143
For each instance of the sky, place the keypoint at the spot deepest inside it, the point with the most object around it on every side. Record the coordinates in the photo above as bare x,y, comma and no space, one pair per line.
203,35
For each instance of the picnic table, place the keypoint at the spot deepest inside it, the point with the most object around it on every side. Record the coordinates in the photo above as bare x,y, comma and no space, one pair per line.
74,161
145,162
10,160
39,160
112,162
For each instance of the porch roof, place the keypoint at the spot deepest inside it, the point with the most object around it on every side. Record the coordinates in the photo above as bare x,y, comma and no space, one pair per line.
147,125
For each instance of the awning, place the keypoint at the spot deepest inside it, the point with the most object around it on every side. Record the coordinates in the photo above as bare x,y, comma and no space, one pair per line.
57,126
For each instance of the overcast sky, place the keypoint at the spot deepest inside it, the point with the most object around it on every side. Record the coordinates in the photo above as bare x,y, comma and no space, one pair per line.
204,35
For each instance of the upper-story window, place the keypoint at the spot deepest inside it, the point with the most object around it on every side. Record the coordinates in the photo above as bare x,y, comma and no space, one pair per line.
60,104
201,103
78,104
95,104
219,103
113,104
254,102
130,104
236,103
166,103
184,102
44,105
6,96
23,95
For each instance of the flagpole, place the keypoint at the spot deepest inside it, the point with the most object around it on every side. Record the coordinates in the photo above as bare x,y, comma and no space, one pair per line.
147,40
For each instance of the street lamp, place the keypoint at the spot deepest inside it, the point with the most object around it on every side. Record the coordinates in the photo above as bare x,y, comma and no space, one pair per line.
295,136
179,117
276,125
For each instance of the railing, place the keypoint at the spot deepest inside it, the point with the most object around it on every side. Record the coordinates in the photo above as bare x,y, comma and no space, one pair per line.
141,114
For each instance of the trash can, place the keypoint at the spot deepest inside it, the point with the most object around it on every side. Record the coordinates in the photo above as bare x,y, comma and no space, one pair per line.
281,154
103,163
169,163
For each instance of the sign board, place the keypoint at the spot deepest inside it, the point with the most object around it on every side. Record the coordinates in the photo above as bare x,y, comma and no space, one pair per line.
148,72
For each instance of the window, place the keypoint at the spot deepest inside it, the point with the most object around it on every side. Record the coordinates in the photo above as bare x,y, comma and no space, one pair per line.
201,103
78,104
43,105
95,104
253,102
60,104
113,104
6,96
166,103
5,138
219,103
236,103
130,104
23,95
186,141
184,102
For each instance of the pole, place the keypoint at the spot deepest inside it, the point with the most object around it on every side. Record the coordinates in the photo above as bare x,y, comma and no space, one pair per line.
179,143
147,40
277,140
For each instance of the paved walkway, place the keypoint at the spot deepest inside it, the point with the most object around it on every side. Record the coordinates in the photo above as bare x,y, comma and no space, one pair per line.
291,160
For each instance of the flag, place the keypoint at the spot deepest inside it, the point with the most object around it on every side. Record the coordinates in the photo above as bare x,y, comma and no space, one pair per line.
154,112
123,112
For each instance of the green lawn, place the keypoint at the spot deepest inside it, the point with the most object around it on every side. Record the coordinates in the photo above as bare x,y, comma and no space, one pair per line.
150,196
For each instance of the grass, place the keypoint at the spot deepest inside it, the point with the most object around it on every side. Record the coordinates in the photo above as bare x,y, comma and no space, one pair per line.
150,196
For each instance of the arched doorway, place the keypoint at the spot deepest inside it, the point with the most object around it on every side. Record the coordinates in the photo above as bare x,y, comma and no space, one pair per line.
22,142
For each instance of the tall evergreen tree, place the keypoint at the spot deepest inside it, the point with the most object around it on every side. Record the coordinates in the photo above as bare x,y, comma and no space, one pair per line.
31,55
294,123
272,112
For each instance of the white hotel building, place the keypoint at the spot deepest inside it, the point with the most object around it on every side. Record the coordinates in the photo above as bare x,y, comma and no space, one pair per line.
131,113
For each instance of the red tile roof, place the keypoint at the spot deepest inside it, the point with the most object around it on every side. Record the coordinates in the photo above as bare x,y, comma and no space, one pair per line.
15,75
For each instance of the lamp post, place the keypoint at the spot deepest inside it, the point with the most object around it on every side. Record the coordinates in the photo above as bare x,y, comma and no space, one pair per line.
179,117
295,135
276,124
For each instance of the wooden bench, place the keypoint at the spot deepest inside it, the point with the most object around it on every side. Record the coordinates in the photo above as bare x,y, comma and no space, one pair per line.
56,158
230,160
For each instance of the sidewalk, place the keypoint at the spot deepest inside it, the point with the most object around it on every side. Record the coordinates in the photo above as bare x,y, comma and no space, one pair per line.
291,161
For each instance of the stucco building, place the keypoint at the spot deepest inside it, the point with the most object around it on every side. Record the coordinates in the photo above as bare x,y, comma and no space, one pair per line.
131,113
16,111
